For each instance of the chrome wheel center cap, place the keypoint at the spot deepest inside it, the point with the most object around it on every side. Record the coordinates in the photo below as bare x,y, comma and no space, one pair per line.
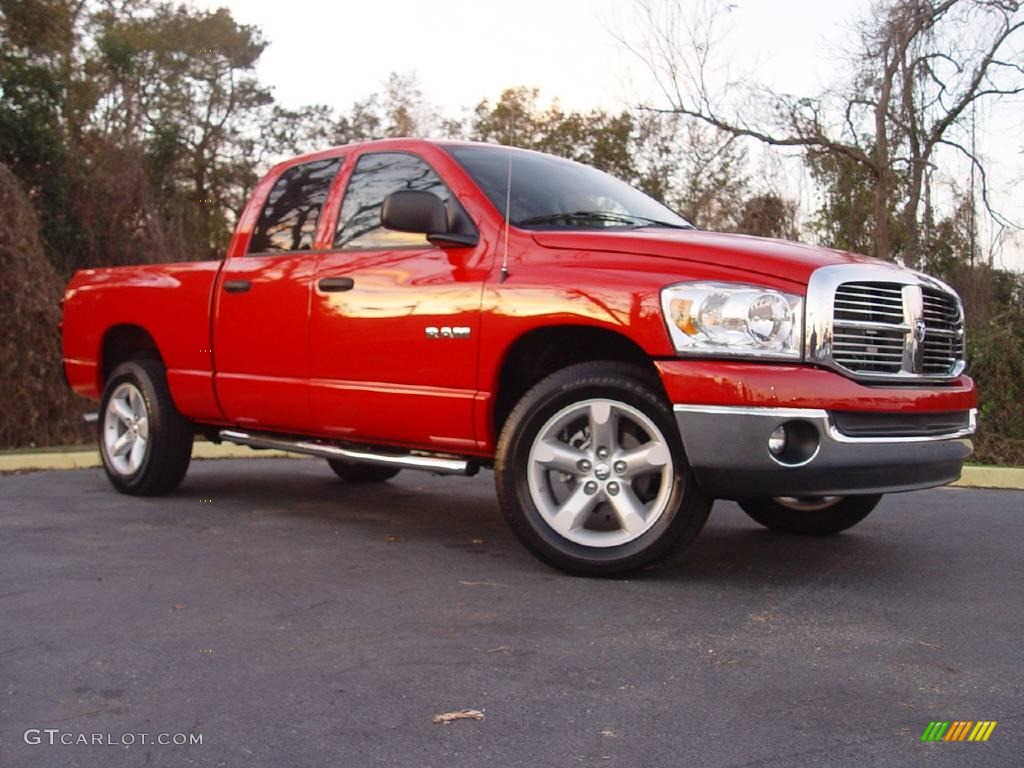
602,472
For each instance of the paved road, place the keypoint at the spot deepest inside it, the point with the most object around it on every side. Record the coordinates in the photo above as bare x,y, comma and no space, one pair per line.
295,621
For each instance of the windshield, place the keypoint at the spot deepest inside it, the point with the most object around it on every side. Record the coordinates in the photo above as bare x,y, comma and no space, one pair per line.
551,193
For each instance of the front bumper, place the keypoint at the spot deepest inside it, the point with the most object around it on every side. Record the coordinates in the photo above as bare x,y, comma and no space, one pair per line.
728,449
727,411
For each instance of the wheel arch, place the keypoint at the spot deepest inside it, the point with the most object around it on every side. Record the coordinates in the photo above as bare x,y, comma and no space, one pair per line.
122,342
539,352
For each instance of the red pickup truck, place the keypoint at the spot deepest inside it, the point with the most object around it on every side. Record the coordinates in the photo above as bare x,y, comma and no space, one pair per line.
446,306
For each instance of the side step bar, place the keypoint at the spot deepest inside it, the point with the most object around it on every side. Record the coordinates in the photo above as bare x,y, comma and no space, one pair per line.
438,465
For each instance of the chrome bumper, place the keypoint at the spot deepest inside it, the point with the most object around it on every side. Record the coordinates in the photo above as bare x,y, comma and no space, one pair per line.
728,450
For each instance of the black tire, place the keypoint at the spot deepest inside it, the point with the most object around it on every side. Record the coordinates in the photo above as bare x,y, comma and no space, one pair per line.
169,441
353,472
687,506
845,513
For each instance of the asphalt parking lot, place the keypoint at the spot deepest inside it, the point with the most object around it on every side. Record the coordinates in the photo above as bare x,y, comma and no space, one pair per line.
292,620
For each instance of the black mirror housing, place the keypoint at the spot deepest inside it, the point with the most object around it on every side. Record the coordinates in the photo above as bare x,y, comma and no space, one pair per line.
411,210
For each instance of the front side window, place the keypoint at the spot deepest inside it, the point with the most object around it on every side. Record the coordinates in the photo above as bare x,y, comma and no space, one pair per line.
288,220
375,177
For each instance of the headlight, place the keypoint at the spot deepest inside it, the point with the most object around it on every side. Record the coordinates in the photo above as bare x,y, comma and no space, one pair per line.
733,319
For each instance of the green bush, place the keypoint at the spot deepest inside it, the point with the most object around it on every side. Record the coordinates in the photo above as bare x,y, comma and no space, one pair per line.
996,352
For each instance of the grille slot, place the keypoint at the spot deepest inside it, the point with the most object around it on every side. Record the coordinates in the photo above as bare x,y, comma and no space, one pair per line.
857,424
870,333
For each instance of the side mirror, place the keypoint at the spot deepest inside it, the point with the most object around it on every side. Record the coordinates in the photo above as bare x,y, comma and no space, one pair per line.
411,210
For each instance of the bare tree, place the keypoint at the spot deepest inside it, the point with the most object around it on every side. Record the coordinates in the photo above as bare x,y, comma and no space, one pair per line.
920,68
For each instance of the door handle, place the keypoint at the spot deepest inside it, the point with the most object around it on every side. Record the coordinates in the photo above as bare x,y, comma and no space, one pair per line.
336,284
237,286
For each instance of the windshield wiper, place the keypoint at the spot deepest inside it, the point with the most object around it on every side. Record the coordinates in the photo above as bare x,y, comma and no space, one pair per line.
576,217
658,223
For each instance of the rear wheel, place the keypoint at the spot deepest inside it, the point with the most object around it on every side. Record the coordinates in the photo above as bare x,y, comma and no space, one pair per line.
812,515
591,473
145,443
353,472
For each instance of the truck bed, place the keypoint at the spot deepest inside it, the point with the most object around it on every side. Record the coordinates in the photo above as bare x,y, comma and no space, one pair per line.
170,301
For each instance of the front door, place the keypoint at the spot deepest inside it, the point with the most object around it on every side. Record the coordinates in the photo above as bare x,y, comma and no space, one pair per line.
394,326
261,325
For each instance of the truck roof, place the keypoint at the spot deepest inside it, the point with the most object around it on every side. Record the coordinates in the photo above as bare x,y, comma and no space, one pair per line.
403,142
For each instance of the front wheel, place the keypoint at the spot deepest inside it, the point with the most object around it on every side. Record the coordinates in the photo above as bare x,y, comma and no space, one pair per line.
810,515
591,473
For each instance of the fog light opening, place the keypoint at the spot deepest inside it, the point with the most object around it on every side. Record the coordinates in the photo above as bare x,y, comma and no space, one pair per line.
794,443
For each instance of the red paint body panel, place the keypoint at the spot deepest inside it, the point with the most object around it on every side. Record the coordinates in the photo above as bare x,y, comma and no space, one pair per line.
702,382
171,302
261,344
757,255
375,376
358,364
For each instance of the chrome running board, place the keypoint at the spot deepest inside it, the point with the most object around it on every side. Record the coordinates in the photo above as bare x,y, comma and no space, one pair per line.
437,464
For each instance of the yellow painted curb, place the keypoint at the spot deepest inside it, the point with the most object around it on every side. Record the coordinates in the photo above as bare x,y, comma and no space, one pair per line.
90,459
1010,478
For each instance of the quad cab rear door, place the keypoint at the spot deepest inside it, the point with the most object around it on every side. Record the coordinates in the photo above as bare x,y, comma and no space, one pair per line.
261,304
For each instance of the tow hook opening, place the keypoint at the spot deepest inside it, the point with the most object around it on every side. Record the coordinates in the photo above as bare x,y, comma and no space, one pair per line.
794,443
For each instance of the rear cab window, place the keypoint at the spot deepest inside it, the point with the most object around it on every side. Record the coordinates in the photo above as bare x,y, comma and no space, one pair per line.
290,214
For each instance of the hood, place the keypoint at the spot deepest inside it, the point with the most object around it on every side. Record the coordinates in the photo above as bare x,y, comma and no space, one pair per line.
775,258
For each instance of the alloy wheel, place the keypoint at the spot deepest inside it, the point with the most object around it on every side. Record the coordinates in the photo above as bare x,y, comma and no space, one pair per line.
600,473
126,429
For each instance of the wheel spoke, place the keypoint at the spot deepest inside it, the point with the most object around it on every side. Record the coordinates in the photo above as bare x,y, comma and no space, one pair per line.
629,510
573,511
143,425
122,409
603,426
649,457
137,404
138,452
559,456
121,445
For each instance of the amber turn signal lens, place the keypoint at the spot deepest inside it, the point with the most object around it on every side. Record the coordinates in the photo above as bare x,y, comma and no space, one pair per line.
682,316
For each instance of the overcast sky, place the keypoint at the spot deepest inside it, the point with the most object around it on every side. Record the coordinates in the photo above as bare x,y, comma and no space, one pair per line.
465,50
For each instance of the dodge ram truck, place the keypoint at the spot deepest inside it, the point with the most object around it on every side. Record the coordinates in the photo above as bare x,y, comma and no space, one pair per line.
451,306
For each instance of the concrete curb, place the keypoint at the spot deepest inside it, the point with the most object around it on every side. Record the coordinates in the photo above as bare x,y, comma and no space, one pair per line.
89,459
1009,478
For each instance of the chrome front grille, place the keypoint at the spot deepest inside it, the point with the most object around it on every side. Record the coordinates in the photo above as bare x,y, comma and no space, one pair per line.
871,302
878,322
944,340
861,342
